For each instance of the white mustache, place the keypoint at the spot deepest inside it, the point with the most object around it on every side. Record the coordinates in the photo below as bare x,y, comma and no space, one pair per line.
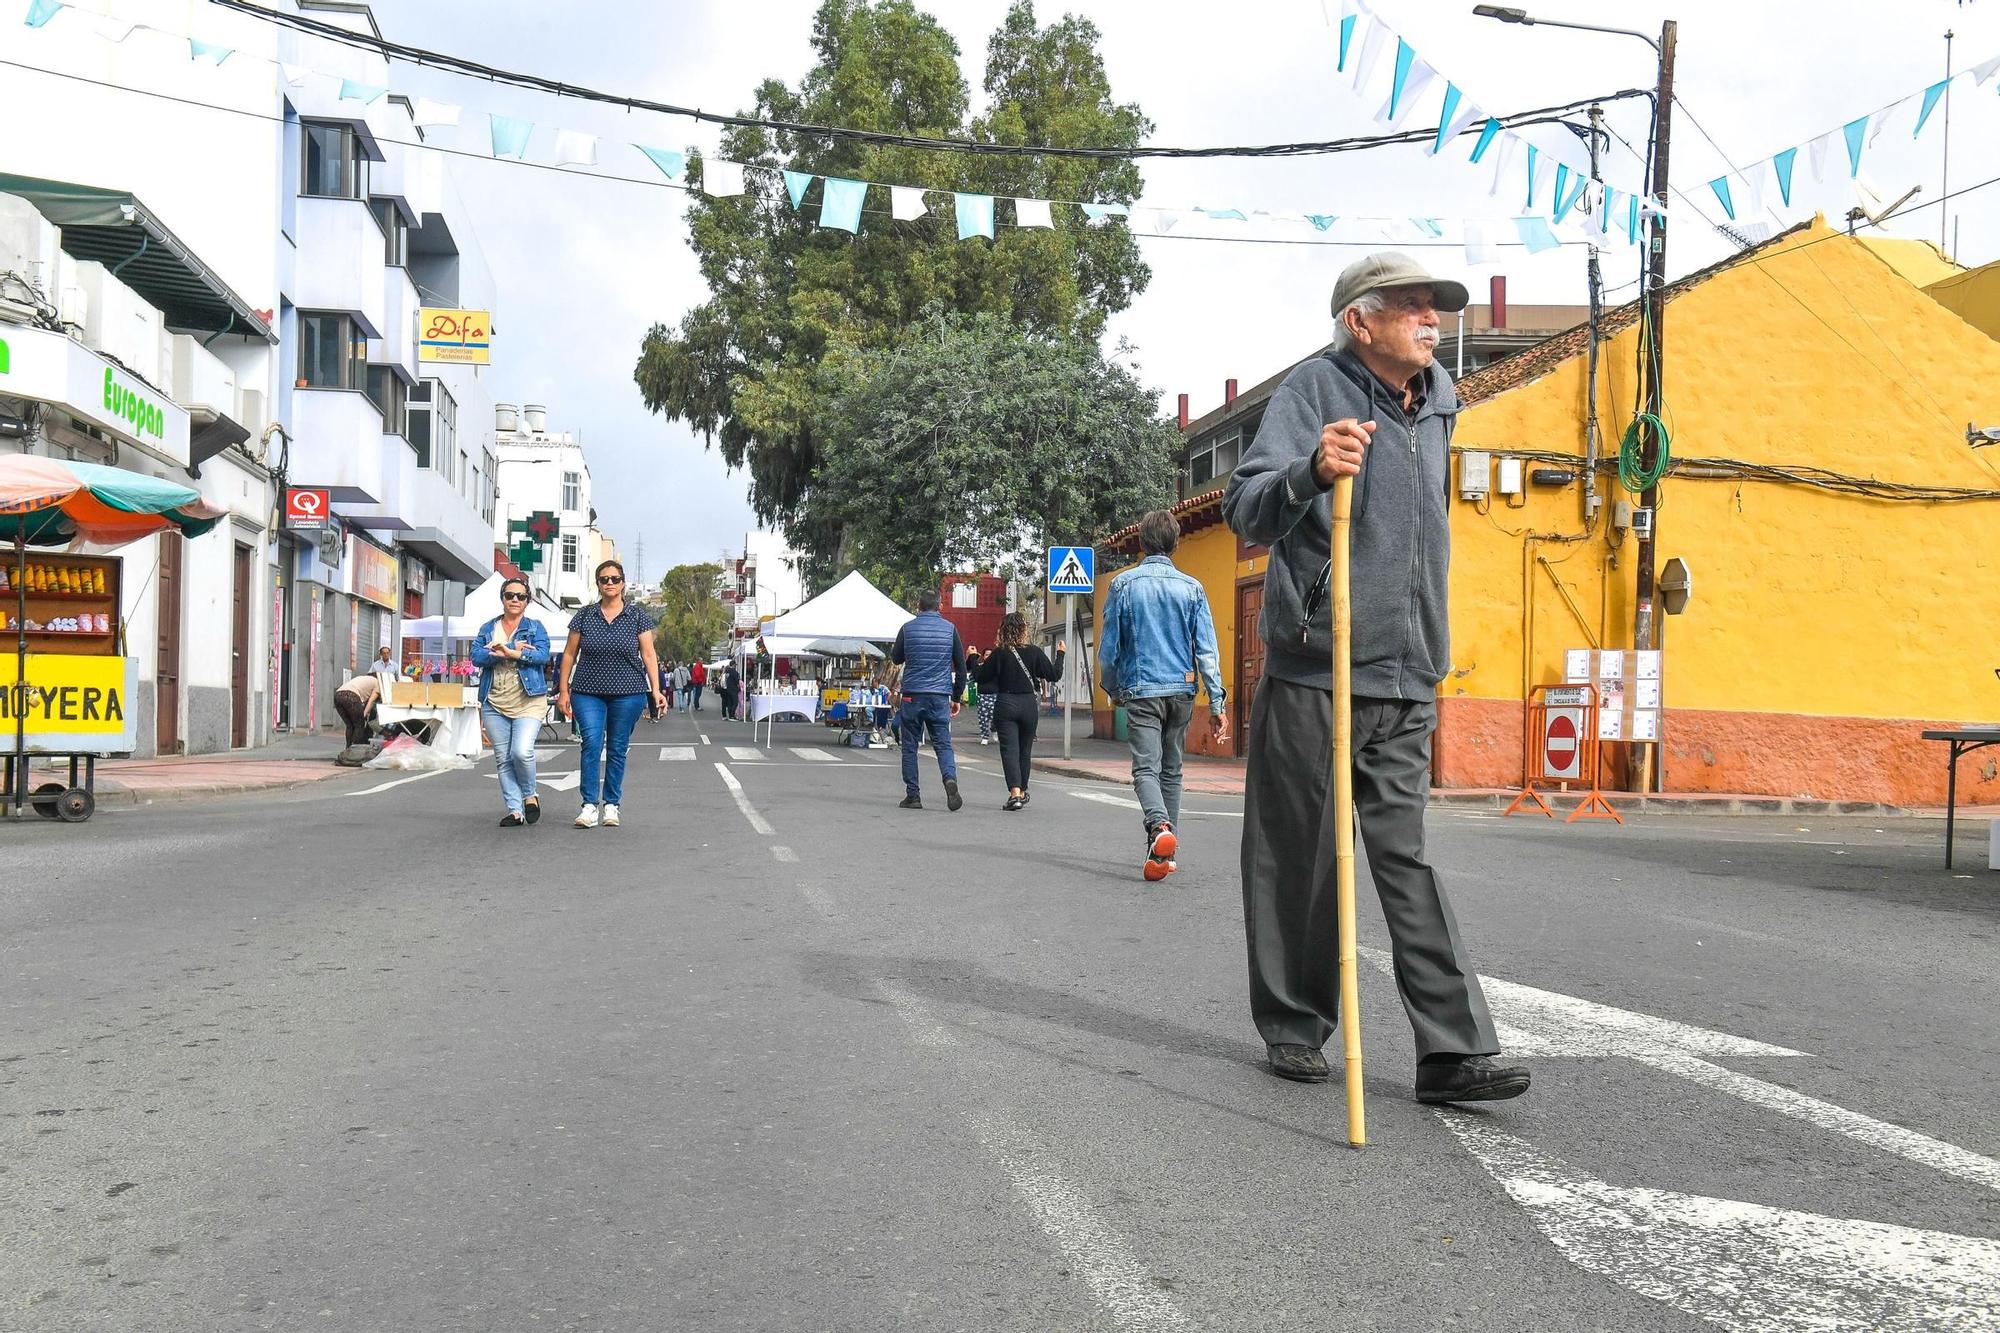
1427,335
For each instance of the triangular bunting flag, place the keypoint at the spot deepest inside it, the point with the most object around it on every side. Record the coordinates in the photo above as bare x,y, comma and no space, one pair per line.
1534,174
1781,167
1632,220
1984,71
1035,213
575,149
796,185
1104,212
1482,244
1721,187
1853,130
1346,40
906,203
1453,118
428,113
1165,220
213,52
1397,109
352,90
1931,96
510,136
41,11
1322,221
1371,48
1503,161
113,30
1818,150
721,179
975,215
840,203
1535,234
1487,134
1218,214
295,76
673,164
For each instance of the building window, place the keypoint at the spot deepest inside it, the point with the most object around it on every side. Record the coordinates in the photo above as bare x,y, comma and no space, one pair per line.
391,398
1214,458
336,162
333,352
490,501
432,431
572,491
395,232
569,554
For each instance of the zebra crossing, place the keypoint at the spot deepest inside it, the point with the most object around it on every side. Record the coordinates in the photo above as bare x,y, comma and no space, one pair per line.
750,754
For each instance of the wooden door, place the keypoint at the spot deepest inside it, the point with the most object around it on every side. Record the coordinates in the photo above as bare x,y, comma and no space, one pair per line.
167,660
1249,657
239,653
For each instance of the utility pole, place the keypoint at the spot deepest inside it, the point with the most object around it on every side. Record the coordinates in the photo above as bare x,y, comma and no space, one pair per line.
1944,186
1654,336
1593,441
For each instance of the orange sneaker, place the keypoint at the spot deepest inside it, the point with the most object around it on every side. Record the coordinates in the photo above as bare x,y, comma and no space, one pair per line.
1164,843
1157,870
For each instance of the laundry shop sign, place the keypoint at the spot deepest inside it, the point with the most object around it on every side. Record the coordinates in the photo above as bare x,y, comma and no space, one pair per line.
51,368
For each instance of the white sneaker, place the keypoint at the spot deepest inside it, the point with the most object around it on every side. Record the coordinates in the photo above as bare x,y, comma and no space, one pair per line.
610,819
986,740
587,817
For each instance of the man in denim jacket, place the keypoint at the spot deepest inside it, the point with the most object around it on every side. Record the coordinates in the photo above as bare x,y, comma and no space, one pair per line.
1157,636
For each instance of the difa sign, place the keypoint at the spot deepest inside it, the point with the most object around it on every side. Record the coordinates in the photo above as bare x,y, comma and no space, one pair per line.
71,703
459,336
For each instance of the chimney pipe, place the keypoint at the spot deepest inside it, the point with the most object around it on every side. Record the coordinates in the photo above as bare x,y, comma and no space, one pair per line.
1228,392
1498,309
1184,415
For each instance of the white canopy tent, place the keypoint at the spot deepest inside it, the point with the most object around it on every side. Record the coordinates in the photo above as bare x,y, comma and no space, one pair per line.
851,609
481,605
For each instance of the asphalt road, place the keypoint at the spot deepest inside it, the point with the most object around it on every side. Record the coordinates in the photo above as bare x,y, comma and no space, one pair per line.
352,1057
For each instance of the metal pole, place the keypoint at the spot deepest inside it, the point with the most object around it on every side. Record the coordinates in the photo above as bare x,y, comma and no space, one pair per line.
1654,335
1343,810
1069,665
20,699
1593,435
1944,186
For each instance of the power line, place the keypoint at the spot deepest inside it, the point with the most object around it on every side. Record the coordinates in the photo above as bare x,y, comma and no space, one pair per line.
493,74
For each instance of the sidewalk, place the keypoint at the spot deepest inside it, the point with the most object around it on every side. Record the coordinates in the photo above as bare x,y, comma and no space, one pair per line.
1111,761
290,761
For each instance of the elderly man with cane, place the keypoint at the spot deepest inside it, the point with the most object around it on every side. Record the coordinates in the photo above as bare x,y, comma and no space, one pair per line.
1378,409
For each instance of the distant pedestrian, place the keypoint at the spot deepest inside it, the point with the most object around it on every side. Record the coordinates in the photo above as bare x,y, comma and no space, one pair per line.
1158,637
932,657
683,687
975,698
384,669
1012,669
512,653
1381,375
610,668
698,678
731,689
355,701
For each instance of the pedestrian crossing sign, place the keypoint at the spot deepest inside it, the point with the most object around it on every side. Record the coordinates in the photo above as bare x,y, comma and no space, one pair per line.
1071,568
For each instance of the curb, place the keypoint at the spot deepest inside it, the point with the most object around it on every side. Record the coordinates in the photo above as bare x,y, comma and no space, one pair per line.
109,793
1623,801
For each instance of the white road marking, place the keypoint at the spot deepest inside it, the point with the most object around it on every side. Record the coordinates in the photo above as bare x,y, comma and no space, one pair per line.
1106,798
1547,1023
401,782
706,741
1120,1283
820,755
742,801
1744,1266
784,854
544,753
822,901
550,781
676,752
744,752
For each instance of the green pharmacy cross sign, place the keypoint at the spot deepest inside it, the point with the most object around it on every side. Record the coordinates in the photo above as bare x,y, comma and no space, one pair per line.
543,526
536,531
525,555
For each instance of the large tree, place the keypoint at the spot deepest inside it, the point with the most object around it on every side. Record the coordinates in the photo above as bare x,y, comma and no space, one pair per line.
792,304
692,620
975,444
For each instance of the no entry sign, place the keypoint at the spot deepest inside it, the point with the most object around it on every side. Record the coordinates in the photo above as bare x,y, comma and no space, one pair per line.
1562,745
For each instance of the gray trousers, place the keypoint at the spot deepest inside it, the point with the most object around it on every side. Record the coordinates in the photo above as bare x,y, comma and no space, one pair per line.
1157,730
1288,872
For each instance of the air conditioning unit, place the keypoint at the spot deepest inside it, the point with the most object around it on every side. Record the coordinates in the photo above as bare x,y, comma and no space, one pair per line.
120,323
201,381
250,413
29,245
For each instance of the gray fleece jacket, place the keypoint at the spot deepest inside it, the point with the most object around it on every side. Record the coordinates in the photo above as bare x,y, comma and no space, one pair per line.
1400,534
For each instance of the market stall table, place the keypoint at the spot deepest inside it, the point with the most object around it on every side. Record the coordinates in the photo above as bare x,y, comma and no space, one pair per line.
1961,742
763,706
448,714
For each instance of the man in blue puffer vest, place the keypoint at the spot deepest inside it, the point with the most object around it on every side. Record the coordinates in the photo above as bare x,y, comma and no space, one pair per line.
933,660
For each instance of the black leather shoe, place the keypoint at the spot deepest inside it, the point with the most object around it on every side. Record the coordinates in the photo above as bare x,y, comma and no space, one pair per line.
1301,1064
952,800
1476,1078
910,803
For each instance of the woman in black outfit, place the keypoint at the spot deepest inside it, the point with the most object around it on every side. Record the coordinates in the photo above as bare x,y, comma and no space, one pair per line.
1010,672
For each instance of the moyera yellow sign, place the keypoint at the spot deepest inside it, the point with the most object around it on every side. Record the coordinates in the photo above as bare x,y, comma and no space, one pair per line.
459,336
73,704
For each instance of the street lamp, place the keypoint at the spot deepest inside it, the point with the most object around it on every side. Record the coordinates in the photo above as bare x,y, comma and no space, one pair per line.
1652,333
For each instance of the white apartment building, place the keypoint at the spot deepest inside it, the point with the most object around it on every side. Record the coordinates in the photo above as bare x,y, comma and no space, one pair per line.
307,229
545,472
763,581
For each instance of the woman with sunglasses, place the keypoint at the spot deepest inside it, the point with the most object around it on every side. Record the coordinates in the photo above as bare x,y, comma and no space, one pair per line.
512,654
610,669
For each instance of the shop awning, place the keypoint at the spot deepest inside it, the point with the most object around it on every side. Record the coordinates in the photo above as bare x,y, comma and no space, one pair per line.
113,228
447,556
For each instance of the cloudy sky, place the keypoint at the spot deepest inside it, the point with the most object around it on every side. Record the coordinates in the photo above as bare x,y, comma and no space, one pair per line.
585,266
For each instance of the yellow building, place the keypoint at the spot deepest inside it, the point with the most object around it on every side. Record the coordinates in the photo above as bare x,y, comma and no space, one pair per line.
1844,538
1973,295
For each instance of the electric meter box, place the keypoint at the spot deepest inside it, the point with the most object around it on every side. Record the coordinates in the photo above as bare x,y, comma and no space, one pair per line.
1475,474
1510,476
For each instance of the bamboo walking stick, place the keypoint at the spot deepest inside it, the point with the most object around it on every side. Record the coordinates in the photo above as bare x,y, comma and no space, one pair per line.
1343,806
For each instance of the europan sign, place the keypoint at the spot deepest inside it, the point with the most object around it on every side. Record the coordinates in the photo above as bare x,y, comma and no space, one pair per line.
53,369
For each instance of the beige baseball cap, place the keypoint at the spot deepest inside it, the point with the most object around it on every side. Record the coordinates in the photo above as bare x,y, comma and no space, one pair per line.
1389,269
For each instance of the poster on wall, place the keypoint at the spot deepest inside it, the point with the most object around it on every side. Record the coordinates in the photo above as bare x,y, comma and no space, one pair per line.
375,578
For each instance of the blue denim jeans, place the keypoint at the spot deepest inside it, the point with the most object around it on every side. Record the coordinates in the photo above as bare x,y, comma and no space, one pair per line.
513,753
607,722
933,710
1157,729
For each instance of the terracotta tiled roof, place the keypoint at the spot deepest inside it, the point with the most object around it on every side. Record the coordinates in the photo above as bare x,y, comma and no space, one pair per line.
1195,513
1532,363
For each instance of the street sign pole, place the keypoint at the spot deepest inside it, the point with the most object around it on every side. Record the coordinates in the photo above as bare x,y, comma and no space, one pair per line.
1069,666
